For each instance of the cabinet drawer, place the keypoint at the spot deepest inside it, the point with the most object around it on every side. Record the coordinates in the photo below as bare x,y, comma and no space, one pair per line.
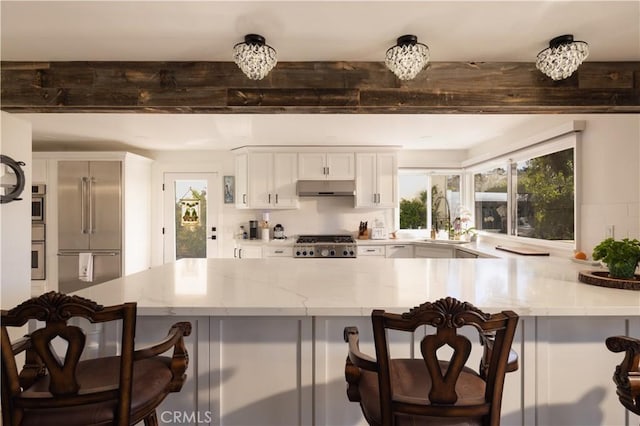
433,252
370,250
399,251
463,254
277,251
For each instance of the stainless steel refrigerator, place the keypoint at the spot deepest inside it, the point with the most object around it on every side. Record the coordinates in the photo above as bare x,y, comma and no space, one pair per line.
89,221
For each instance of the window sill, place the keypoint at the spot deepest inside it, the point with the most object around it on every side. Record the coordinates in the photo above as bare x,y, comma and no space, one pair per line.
555,248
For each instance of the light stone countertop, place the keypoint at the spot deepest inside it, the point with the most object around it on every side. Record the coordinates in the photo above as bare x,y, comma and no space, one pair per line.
531,286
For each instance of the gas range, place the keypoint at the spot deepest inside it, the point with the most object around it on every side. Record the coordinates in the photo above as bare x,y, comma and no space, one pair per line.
325,246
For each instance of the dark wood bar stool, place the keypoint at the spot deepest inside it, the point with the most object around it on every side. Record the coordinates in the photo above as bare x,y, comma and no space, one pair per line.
115,390
627,373
427,390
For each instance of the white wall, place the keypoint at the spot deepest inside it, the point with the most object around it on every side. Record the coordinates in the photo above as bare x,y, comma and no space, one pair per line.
15,217
137,208
610,178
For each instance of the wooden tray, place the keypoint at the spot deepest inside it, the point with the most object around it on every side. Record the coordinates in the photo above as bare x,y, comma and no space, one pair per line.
523,251
602,279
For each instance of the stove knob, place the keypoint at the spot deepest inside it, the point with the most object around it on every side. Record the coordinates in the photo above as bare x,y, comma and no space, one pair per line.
333,252
351,253
324,252
298,253
311,253
304,253
344,253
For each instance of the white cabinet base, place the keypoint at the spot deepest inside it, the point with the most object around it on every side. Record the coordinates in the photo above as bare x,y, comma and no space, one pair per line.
290,370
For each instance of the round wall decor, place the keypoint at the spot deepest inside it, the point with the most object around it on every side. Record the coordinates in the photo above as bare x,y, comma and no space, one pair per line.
11,179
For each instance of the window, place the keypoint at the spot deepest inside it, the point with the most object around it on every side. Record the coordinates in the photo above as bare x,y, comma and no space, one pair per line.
545,197
490,195
428,200
529,197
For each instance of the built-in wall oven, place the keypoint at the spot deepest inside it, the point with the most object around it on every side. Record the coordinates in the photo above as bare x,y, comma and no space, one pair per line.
37,251
38,240
38,192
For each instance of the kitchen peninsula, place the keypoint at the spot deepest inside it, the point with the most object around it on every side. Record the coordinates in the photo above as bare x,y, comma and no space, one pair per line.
267,345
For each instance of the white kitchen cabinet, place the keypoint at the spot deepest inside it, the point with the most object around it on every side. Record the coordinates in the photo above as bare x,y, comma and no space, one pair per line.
463,254
376,180
247,251
399,250
433,252
269,251
326,166
367,250
242,181
266,180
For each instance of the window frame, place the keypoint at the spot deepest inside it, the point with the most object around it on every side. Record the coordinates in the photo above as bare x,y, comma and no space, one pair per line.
555,140
428,172
509,161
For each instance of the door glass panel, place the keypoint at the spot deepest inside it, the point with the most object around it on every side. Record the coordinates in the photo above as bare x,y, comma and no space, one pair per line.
190,218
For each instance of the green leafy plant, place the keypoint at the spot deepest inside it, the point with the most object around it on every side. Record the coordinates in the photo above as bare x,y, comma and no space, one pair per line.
621,256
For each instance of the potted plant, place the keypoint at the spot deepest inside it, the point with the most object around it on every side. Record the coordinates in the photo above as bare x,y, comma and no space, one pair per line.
621,256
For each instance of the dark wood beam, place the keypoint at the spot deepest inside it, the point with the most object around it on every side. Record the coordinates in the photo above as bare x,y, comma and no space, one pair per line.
315,87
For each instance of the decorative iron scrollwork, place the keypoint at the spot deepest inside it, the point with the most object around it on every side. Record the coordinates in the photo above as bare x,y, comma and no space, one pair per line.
12,190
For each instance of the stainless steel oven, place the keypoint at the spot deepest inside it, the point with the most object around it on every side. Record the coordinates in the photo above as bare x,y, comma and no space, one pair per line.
38,203
38,251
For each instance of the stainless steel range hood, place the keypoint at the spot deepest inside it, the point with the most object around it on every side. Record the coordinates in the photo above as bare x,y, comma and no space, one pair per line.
326,188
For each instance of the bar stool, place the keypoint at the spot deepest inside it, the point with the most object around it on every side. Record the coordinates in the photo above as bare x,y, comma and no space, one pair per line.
627,373
115,390
427,390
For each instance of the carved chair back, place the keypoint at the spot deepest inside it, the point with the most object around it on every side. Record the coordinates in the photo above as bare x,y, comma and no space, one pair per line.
627,374
446,316
42,362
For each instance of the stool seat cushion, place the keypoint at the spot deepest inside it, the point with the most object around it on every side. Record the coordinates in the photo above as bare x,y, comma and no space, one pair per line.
150,378
410,382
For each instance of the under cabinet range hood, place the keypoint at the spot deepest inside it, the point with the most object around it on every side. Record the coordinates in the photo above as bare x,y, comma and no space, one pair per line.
326,188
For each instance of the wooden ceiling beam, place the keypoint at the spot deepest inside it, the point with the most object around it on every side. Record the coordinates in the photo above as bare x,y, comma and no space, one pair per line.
315,87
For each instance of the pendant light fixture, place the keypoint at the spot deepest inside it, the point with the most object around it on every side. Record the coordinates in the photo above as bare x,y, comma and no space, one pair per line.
254,57
407,58
562,57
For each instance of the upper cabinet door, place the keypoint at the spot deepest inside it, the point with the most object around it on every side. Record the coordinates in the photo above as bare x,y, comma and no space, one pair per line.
340,166
270,178
326,166
376,180
242,182
312,166
285,177
261,180
386,172
366,193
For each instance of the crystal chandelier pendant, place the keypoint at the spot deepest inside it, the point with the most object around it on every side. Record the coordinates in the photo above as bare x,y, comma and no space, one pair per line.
254,57
562,57
407,58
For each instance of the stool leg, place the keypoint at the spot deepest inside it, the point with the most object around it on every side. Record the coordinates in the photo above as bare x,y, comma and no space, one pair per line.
151,419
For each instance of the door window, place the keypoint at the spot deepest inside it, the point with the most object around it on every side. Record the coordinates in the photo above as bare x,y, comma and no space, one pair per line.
190,229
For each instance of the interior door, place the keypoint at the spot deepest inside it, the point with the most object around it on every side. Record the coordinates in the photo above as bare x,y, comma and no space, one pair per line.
190,215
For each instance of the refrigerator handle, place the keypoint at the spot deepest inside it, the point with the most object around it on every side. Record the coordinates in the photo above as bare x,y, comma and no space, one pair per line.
92,202
83,205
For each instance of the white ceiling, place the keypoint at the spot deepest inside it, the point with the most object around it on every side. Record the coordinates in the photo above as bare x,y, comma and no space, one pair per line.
300,31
